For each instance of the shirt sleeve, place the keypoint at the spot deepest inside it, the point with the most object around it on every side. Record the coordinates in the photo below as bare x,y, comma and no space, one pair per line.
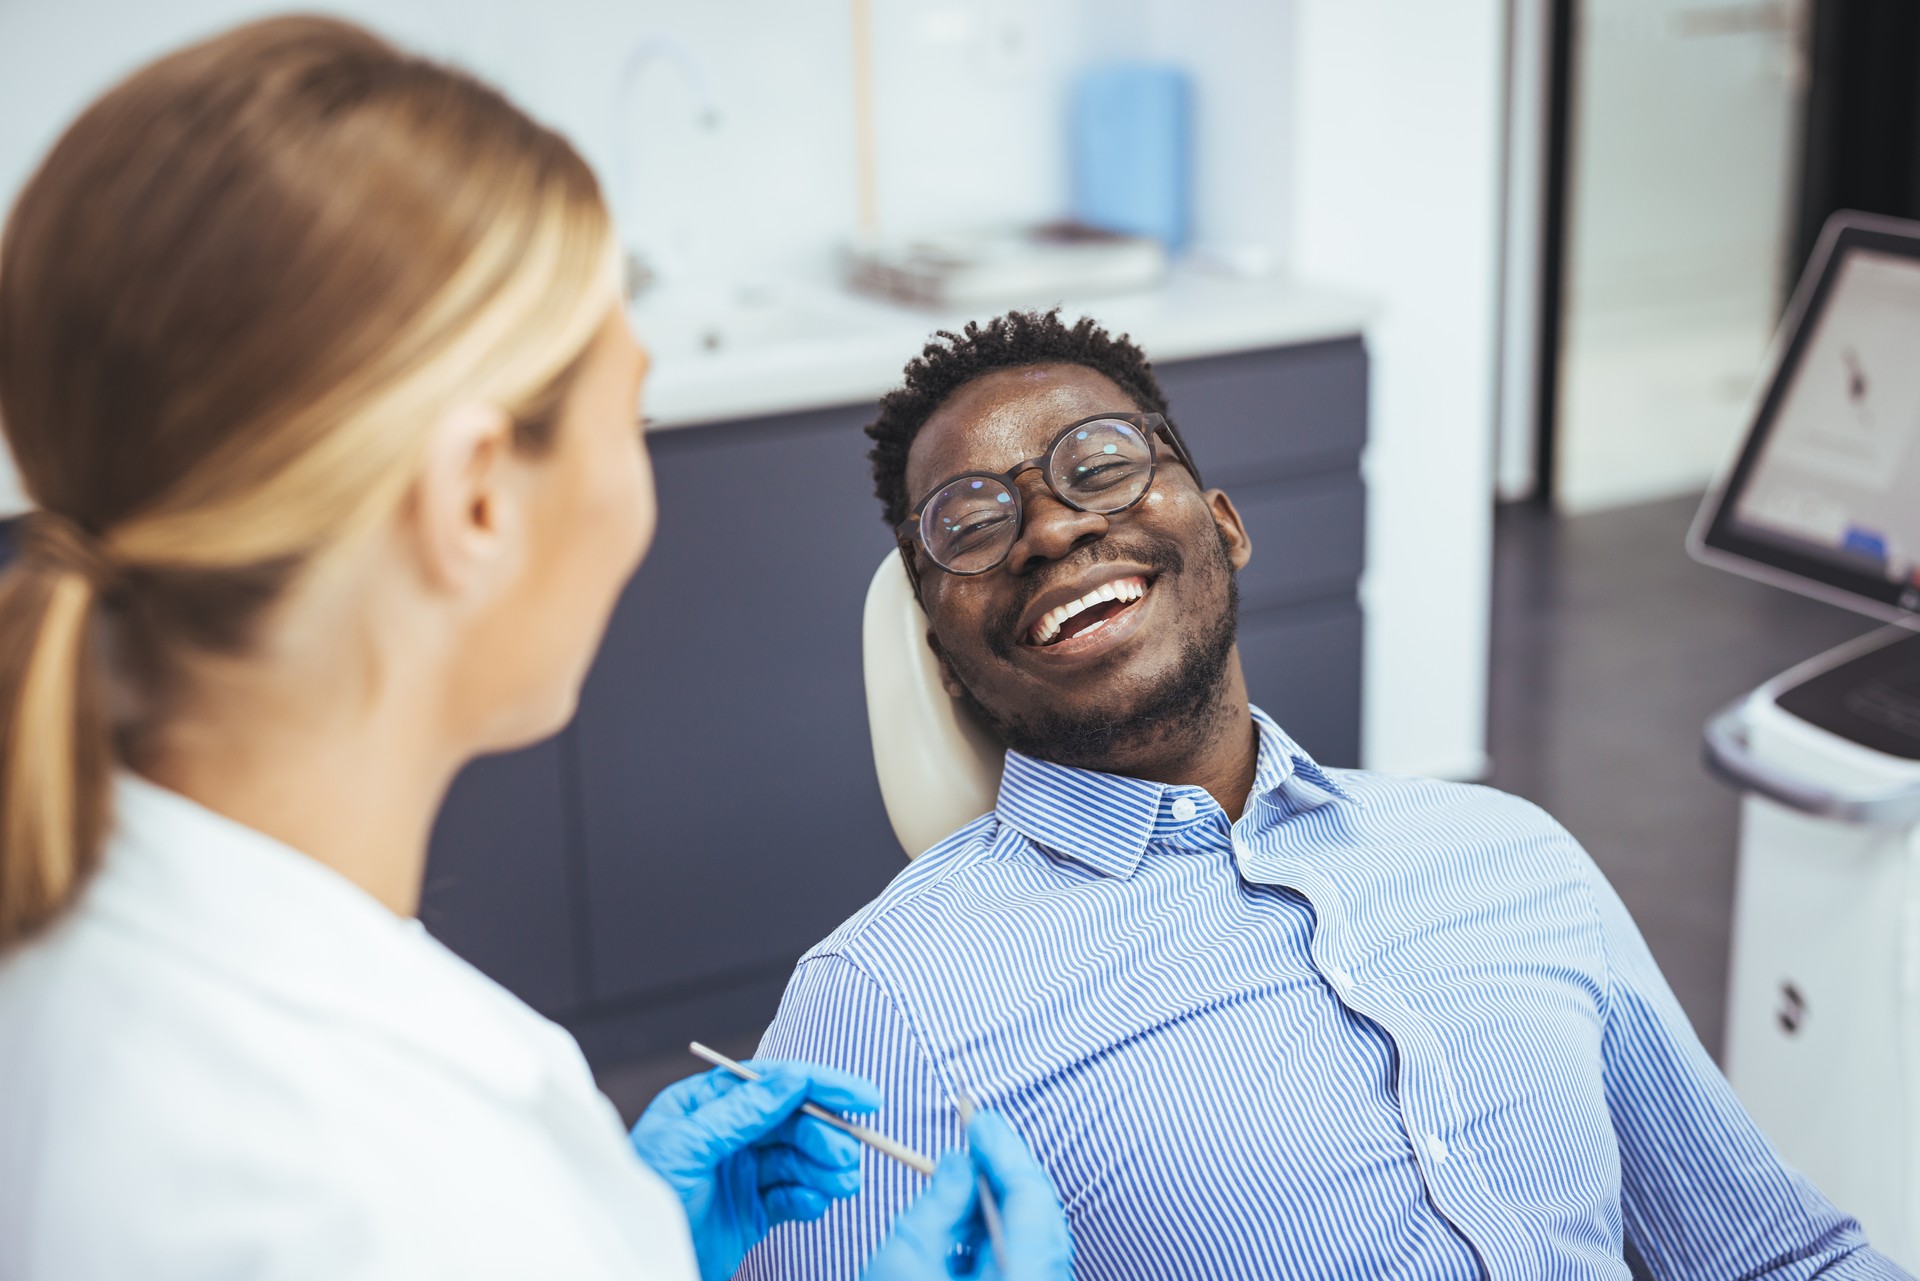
1703,1193
836,1013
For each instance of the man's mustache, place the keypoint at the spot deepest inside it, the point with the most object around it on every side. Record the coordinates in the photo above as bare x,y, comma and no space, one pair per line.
1159,553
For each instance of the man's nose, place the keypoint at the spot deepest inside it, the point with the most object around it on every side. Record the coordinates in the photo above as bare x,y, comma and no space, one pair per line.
1051,528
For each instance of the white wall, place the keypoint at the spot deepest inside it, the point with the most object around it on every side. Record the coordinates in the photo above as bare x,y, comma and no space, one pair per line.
1684,124
1243,52
963,136
969,104
971,125
1398,133
1529,68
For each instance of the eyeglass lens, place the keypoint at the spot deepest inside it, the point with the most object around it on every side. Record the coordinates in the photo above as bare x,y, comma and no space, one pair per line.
1103,466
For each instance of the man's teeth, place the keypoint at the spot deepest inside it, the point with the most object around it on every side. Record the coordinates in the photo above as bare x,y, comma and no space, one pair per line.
1125,589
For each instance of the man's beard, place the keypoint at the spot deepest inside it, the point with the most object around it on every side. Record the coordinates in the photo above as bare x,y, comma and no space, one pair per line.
1183,705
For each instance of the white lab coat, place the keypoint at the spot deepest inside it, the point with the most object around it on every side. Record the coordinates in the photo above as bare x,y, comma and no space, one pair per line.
230,1062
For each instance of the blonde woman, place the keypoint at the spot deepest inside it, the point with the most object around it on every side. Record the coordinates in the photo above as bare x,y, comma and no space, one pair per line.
313,360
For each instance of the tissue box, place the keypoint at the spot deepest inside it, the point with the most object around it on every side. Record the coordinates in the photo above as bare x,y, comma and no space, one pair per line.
1132,127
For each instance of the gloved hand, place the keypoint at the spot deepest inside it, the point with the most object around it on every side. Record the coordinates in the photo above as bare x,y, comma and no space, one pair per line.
942,1236
741,1157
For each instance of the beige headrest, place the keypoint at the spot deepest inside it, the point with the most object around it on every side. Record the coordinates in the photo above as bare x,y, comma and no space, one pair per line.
939,768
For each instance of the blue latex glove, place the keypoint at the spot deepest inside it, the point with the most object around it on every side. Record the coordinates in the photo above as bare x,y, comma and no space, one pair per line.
941,1236
742,1159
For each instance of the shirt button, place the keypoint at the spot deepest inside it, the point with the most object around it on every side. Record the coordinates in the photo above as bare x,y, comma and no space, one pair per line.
1184,809
1341,979
1436,1149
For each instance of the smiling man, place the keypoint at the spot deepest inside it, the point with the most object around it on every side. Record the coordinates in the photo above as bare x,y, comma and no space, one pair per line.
1259,1018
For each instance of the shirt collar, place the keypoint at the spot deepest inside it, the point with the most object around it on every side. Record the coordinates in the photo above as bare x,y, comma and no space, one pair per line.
266,917
1106,821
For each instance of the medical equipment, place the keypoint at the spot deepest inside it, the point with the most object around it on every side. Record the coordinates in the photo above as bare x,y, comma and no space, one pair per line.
742,1160
872,1138
939,767
1824,494
989,1208
1823,1017
940,1232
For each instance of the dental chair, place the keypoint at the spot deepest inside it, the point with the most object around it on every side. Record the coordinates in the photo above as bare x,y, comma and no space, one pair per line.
939,768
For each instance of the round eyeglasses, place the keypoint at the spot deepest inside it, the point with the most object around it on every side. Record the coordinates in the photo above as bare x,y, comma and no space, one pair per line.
1103,464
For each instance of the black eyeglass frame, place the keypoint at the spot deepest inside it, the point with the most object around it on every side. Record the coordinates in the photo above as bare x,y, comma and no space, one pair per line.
908,532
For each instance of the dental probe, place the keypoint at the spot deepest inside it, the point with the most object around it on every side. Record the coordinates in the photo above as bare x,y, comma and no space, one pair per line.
872,1138
989,1208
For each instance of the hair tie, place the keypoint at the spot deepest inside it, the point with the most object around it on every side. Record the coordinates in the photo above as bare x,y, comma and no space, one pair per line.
52,540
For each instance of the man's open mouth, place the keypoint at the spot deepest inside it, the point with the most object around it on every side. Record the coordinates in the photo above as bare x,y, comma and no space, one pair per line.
1088,614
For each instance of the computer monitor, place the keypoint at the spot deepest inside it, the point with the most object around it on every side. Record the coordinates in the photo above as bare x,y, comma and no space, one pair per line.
1824,494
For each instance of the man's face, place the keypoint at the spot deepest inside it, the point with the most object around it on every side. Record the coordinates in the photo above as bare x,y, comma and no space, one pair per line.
1123,675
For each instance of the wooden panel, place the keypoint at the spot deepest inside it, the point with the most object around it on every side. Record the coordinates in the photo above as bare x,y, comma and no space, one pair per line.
1271,415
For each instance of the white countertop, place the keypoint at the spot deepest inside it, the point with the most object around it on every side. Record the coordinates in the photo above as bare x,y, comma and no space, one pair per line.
781,351
812,347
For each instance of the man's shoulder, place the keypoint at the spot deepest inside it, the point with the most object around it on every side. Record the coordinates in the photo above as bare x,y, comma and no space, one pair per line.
1411,793
1453,822
931,875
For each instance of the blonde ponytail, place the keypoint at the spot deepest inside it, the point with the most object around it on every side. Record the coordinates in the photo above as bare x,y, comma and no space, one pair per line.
233,298
55,762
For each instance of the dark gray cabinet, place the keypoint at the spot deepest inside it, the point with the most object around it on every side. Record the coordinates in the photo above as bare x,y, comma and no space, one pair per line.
651,875
502,882
1303,669
730,813
1281,431
1272,415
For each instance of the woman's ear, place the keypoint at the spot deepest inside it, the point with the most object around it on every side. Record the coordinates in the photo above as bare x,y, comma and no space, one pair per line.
465,514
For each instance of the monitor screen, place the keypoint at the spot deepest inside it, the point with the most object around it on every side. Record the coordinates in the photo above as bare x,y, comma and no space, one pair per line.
1824,496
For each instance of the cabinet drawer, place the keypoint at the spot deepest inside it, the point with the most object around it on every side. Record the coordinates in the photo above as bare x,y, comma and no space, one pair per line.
1309,539
730,815
499,872
1268,415
1303,669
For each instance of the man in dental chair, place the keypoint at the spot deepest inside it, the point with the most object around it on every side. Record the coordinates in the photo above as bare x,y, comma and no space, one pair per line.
1258,1017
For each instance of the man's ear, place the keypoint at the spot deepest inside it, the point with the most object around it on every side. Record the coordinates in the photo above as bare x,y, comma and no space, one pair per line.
948,681
1232,532
464,511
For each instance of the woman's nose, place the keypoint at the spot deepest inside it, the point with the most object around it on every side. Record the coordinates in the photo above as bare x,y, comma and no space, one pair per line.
1050,528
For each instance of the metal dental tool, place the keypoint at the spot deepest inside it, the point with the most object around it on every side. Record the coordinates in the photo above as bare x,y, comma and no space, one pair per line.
872,1138
989,1208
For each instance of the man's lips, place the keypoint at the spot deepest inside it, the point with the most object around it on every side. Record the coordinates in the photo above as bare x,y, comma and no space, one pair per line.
1092,636
1050,619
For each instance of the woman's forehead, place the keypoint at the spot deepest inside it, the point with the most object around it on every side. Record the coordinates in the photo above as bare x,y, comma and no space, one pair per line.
1003,417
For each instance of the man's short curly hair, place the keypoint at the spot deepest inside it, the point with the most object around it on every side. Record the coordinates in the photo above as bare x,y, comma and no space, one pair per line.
1009,341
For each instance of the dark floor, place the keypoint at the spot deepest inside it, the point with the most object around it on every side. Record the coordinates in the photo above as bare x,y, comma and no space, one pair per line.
1610,650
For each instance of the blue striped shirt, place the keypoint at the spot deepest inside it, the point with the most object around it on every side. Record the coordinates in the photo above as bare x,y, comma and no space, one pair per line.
1378,1026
